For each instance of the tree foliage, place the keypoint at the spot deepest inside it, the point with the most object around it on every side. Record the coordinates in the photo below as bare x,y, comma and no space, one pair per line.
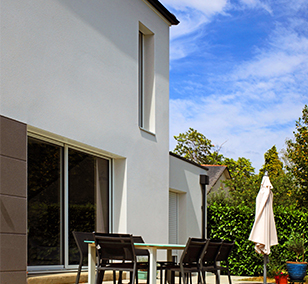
297,151
289,178
282,181
272,163
244,183
195,147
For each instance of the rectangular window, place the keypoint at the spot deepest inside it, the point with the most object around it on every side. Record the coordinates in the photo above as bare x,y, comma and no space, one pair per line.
57,207
173,217
174,222
146,79
141,83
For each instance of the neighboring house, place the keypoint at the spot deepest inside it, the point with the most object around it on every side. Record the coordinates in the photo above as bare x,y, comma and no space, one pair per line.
217,176
184,199
84,130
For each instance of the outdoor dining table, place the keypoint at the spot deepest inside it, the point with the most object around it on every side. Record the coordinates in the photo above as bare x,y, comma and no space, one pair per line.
152,262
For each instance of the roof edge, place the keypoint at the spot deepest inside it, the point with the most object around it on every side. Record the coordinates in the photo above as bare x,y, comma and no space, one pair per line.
188,161
164,12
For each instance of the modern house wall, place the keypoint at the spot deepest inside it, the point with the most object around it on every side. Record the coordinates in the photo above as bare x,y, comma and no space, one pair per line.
70,77
70,69
185,181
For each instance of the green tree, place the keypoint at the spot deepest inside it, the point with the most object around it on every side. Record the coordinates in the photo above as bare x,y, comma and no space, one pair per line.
281,180
195,147
244,182
297,150
272,164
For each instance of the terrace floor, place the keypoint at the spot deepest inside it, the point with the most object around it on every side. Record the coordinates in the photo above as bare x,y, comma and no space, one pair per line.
69,278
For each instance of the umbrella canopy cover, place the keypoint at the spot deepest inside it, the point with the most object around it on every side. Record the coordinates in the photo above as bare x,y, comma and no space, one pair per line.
263,232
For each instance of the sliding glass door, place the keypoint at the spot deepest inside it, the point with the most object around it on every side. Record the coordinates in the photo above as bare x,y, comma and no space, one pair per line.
68,190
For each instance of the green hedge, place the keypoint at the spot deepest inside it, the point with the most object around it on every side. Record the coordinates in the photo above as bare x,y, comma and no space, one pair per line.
235,223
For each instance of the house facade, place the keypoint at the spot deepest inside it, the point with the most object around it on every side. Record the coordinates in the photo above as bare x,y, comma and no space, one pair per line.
84,127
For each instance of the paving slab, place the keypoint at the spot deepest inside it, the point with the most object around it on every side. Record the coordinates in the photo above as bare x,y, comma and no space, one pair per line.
69,278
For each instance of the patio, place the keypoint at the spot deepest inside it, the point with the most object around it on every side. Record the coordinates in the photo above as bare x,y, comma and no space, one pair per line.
69,278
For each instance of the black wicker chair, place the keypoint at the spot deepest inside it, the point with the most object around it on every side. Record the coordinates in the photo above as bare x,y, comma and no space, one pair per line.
115,252
221,261
80,237
209,258
144,265
190,261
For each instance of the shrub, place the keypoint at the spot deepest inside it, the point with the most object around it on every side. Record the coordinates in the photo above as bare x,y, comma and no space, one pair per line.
235,223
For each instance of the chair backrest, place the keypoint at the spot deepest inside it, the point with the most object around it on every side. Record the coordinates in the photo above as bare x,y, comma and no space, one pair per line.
80,237
211,252
225,250
115,247
193,251
140,252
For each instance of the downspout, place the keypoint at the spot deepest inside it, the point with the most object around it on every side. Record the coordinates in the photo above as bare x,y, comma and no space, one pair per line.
204,180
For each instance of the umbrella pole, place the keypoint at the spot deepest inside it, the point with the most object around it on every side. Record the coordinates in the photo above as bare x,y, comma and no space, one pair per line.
264,270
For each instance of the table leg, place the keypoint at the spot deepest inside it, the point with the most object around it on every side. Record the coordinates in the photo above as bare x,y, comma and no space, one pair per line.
169,258
91,263
153,264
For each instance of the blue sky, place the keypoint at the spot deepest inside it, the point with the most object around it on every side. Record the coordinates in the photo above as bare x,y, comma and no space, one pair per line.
238,72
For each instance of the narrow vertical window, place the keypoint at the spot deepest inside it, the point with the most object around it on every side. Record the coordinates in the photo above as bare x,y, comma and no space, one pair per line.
146,88
174,221
141,83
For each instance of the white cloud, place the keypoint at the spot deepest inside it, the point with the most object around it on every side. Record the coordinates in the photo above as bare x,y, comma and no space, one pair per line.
257,4
270,65
207,7
248,133
255,106
193,14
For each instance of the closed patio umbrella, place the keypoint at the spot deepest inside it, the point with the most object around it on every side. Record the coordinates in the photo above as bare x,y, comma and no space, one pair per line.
263,232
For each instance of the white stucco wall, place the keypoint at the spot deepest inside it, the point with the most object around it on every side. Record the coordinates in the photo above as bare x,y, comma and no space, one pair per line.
70,68
184,179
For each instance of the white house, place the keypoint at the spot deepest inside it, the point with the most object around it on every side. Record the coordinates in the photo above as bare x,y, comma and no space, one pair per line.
84,130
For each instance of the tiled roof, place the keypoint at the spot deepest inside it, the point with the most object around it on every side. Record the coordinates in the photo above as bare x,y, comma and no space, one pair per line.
214,172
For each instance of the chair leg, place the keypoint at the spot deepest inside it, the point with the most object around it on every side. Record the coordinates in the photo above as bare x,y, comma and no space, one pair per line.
229,276
99,277
166,276
134,276
114,277
172,277
79,270
217,277
120,277
203,276
199,279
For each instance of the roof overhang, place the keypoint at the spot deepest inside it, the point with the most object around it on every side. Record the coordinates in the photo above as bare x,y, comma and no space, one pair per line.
164,12
187,161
